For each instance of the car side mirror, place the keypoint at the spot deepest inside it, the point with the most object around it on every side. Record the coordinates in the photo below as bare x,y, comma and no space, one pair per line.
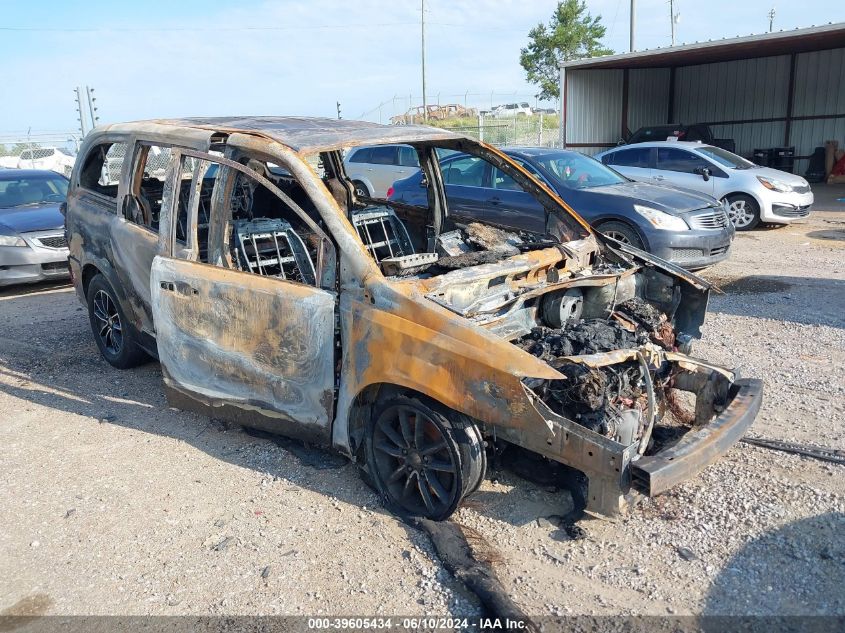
63,208
423,181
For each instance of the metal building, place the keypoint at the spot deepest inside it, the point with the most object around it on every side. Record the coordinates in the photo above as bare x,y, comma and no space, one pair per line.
775,90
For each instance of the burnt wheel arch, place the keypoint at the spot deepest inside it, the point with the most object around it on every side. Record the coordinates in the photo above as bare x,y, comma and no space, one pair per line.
89,271
367,402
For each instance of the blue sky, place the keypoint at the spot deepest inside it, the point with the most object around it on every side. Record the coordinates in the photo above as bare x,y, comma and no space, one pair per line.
208,57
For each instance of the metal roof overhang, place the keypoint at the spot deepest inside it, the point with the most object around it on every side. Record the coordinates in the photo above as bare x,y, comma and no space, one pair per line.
766,45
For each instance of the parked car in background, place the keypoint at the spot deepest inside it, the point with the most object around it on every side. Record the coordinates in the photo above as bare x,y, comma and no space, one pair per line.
510,110
697,132
683,227
51,158
374,168
32,237
752,194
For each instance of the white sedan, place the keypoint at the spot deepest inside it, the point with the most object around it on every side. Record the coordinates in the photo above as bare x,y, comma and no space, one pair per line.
751,194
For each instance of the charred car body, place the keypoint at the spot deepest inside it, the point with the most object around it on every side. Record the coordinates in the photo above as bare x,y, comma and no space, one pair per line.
276,296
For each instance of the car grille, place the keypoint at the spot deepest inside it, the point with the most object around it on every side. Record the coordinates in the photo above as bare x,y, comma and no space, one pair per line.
682,254
55,267
711,219
686,254
791,212
52,241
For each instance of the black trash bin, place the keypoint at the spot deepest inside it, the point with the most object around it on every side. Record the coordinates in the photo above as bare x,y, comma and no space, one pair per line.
815,171
762,157
783,158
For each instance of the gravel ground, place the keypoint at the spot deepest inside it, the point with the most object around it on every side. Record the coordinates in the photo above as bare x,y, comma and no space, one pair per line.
113,503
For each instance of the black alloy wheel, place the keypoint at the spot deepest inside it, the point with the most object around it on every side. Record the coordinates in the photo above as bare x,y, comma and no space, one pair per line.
416,461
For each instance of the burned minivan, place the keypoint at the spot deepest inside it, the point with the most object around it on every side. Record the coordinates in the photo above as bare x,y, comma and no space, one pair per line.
238,252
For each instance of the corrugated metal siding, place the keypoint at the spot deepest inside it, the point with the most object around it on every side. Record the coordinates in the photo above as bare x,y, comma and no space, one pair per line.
751,136
593,106
808,135
819,89
589,151
708,93
727,91
648,97
819,83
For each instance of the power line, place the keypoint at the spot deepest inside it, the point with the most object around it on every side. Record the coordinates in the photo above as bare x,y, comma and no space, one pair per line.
141,29
219,29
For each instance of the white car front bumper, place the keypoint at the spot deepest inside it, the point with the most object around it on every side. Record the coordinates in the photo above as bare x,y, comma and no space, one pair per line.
783,208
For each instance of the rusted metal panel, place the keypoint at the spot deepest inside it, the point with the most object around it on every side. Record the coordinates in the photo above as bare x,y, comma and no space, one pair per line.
657,473
314,134
257,343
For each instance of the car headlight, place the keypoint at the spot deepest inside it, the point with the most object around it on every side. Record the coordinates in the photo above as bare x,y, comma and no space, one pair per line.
774,185
11,240
661,220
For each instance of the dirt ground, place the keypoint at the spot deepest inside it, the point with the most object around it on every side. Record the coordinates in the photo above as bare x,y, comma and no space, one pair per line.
113,503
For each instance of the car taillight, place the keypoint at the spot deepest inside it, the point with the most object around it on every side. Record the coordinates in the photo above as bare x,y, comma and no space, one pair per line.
389,192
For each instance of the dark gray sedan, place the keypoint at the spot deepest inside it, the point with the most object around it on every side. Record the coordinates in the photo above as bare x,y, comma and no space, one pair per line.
681,226
32,235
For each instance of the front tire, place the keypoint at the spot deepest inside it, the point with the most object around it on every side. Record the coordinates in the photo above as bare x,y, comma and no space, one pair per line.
622,233
423,458
112,333
743,212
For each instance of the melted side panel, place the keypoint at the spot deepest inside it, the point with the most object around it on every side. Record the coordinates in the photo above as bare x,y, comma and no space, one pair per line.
133,249
390,337
255,343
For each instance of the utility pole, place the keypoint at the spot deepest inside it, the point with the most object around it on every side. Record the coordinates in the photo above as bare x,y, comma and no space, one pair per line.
79,116
771,15
338,111
31,150
92,107
633,21
672,19
422,31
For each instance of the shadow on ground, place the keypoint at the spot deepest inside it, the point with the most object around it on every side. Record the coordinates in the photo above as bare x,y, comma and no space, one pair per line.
828,234
796,570
10,292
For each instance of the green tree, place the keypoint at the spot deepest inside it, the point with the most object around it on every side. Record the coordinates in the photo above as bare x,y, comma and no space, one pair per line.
572,33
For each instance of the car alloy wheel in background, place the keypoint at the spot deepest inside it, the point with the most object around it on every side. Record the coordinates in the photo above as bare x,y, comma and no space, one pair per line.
743,212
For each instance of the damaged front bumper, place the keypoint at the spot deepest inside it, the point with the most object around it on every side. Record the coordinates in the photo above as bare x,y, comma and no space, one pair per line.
618,474
654,474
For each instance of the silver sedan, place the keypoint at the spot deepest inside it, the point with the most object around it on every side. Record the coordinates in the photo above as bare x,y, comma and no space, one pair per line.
32,237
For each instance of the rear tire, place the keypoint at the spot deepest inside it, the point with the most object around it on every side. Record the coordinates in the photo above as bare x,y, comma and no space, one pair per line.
112,332
423,458
622,233
743,212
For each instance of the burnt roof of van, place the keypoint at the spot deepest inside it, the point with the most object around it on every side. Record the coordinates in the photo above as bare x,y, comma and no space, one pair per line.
310,134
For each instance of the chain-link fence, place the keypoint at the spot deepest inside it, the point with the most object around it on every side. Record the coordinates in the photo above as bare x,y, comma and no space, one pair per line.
536,130
55,151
